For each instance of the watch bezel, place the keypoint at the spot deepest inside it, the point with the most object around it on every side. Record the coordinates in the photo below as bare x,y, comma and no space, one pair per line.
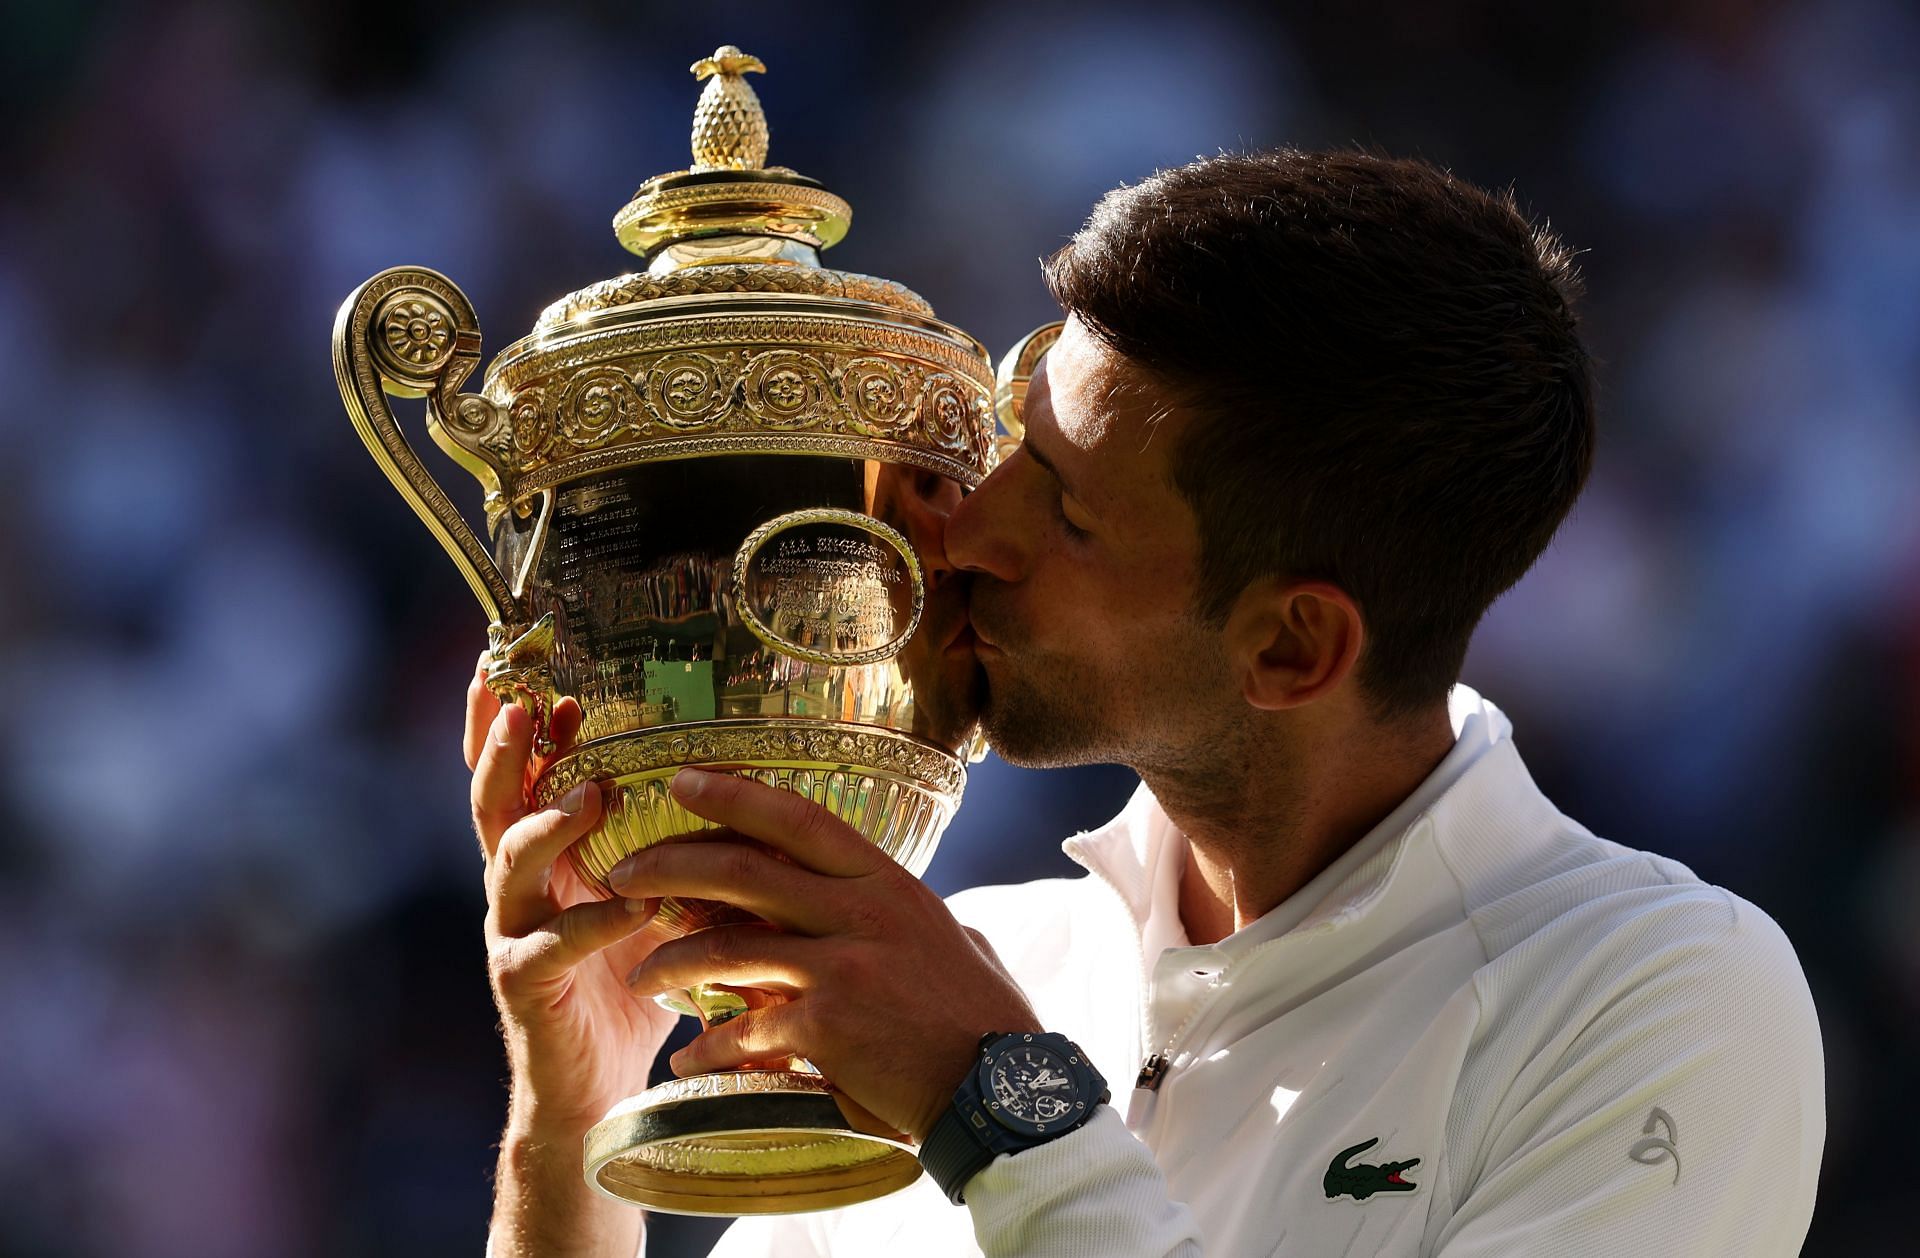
1074,1064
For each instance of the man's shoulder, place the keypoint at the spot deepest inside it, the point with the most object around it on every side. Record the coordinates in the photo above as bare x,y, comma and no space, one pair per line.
1572,925
1532,881
1607,938
1616,925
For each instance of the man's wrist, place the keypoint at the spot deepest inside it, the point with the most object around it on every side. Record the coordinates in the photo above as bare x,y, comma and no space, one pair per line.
532,1120
543,1206
953,1074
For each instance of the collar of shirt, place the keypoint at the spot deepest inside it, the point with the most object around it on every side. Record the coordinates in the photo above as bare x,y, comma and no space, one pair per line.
1141,854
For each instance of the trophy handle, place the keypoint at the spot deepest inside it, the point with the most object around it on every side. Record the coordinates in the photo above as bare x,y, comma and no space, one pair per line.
1010,381
411,332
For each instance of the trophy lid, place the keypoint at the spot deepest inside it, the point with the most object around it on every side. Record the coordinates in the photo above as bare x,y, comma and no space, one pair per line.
732,340
730,190
730,210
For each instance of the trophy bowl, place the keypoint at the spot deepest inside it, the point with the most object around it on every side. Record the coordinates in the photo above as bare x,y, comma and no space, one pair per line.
715,491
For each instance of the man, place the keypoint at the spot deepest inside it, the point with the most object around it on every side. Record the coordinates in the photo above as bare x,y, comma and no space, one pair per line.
1309,416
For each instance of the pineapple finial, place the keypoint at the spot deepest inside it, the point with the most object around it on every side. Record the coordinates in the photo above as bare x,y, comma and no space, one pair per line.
729,127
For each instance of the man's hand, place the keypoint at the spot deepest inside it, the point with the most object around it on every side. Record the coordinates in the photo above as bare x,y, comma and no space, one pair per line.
888,994
577,1040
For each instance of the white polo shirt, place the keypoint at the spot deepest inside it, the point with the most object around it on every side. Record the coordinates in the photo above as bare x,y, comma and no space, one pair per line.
1481,1031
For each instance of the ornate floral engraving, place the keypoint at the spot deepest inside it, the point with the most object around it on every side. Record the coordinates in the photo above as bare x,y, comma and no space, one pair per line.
472,413
805,383
786,389
738,1082
599,405
481,427
532,418
690,391
879,395
813,742
810,330
417,329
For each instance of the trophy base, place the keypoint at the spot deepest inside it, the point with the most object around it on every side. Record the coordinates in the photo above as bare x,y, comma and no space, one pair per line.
743,1142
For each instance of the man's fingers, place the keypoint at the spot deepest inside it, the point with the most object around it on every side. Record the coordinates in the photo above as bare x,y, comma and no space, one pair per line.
758,1035
805,831
500,775
741,955
482,706
520,867
565,940
739,874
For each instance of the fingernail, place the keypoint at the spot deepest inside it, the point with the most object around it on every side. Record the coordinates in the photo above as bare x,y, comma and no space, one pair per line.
634,976
620,875
501,731
576,799
689,782
640,906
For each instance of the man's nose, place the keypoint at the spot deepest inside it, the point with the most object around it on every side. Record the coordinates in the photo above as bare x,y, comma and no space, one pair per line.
980,536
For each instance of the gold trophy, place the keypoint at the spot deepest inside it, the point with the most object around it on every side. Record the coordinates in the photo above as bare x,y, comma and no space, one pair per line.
710,486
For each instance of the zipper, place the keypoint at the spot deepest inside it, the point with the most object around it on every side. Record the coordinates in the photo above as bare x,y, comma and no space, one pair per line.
1154,1069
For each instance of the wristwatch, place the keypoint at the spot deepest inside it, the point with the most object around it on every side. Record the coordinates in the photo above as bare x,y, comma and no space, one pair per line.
1026,1088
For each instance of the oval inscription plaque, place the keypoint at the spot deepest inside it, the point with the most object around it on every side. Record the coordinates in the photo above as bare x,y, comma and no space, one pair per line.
829,586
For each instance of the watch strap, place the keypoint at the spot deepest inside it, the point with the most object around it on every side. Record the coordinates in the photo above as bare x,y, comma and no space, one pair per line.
953,1155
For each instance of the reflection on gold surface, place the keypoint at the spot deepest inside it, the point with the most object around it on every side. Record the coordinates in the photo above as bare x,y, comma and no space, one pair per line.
638,573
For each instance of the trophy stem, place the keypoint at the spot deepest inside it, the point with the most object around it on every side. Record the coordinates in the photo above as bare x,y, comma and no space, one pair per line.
714,1005
775,1138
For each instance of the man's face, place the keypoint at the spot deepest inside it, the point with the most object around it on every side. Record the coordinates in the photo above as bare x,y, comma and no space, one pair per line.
1084,560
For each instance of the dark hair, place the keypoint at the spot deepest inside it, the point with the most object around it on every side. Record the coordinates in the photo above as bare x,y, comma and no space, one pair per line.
1385,376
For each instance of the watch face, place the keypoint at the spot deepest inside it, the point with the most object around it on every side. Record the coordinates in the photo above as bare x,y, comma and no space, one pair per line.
1032,1084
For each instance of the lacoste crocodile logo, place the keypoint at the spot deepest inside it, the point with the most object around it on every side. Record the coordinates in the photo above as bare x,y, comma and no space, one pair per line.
1362,1181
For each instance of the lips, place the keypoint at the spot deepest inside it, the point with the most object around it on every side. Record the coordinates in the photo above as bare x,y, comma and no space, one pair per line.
982,632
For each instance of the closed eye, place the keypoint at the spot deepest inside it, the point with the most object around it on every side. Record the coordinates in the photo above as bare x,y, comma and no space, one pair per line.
1066,520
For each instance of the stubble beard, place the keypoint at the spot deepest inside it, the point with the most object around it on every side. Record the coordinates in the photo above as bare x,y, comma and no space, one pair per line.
1055,710
1055,724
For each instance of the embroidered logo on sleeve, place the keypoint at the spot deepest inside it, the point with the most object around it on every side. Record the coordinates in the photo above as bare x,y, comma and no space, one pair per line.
1657,1150
1361,1181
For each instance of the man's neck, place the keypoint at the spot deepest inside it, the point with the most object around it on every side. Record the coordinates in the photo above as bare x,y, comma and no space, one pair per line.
1260,832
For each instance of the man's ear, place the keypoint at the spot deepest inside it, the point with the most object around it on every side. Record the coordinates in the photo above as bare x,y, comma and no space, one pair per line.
1292,642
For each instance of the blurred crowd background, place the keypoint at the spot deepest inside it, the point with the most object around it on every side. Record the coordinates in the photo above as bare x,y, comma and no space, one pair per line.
242,1001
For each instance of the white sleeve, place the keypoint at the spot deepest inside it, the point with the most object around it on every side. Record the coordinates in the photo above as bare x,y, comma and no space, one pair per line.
1684,1115
1095,1193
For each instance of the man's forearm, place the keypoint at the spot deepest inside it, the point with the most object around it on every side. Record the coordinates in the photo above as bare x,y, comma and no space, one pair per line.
542,1207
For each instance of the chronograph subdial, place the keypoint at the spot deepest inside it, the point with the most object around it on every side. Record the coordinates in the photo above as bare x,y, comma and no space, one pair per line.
1033,1084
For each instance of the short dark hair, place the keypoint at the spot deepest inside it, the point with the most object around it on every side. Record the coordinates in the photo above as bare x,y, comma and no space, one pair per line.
1386,380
